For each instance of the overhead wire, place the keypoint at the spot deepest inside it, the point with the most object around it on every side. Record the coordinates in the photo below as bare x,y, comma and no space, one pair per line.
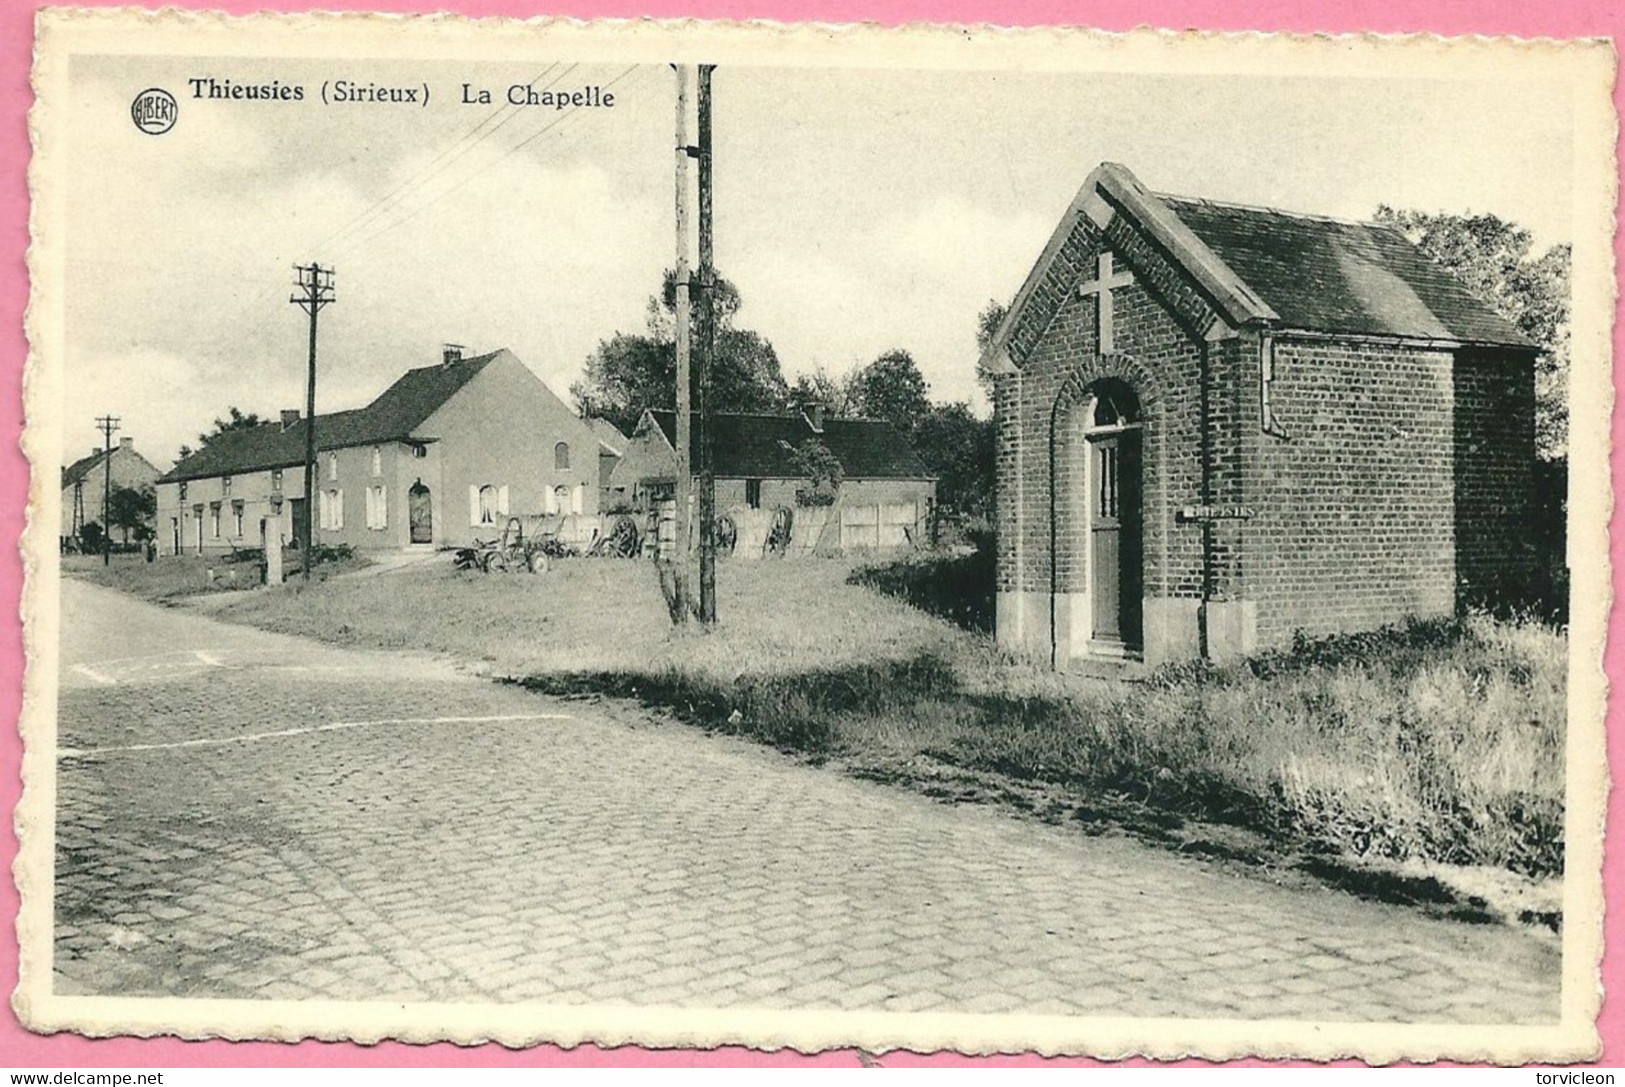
256,322
565,116
430,171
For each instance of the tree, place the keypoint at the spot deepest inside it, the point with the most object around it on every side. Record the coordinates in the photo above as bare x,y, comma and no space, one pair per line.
958,449
235,420
131,509
820,467
821,387
1492,257
632,371
987,324
90,537
892,388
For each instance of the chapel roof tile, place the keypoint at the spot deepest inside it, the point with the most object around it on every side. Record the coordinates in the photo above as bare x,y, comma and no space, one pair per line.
1330,275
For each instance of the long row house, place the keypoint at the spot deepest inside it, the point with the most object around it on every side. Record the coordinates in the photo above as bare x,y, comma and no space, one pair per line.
446,453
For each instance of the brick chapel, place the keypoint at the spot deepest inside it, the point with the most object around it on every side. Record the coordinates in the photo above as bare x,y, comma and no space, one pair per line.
1219,426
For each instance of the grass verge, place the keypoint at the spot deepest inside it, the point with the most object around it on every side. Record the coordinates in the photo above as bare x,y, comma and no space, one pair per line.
173,578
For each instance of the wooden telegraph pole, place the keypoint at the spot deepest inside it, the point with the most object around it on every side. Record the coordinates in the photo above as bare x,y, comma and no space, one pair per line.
680,603
708,321
317,284
108,424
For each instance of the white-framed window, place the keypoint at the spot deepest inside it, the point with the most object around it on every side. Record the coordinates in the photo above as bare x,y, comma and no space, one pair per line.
214,519
487,503
237,518
333,467
377,461
377,508
419,450
561,457
332,509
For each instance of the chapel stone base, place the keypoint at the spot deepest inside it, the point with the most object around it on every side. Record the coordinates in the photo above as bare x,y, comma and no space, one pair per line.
1173,628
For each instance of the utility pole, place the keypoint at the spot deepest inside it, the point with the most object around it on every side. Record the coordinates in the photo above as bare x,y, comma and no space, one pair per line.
708,322
684,475
317,284
107,424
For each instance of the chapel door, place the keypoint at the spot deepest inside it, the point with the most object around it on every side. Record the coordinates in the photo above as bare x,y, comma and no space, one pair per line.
1114,530
420,514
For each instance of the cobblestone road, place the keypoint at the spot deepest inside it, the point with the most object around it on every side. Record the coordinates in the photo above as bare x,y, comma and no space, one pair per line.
245,815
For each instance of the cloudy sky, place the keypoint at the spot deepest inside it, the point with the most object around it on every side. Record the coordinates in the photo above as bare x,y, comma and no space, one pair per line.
857,210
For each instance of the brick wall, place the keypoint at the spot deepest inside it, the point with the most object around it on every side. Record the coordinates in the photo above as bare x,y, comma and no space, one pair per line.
1494,443
1354,509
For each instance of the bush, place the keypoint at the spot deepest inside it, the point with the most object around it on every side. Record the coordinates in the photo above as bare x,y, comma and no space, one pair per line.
955,587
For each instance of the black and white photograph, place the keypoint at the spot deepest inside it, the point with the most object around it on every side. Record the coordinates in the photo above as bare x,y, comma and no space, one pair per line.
697,534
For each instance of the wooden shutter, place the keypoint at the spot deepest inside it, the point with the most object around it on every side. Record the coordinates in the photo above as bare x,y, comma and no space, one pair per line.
473,504
502,500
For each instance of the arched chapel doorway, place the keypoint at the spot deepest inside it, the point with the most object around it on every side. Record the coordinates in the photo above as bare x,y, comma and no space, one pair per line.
1112,507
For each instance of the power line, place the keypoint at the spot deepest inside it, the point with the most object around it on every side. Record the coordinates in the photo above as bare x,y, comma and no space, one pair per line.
424,178
567,118
572,114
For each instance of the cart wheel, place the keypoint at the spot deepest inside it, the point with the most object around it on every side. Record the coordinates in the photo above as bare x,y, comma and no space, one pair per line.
536,561
727,534
623,538
494,560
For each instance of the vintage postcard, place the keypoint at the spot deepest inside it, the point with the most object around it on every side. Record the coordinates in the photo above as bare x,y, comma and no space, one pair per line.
943,538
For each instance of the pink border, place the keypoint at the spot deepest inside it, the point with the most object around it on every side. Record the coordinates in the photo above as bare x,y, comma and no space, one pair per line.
1562,18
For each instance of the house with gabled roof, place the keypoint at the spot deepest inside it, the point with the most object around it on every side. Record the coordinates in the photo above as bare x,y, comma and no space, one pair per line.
86,479
886,493
445,455
611,448
1219,426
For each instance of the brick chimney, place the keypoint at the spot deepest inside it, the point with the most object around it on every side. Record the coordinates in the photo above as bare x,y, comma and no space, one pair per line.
126,445
450,353
290,416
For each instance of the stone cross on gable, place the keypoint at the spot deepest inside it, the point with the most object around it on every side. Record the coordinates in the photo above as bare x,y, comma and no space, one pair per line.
1101,286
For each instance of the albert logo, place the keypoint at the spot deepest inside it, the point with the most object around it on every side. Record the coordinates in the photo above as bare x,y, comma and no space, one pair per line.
154,111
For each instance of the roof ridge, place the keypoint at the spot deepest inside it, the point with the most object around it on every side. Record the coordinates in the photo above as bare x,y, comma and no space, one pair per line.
1238,206
780,415
466,359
